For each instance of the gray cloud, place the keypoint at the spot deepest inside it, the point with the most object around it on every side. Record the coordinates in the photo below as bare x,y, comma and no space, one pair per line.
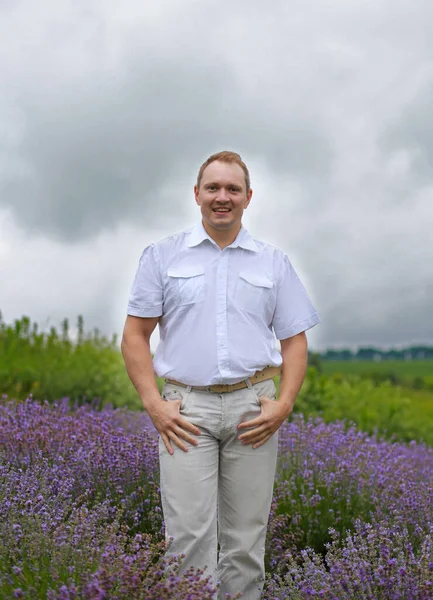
98,149
411,133
107,112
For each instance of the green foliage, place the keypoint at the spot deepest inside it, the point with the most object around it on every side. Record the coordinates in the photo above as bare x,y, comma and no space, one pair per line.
314,360
50,366
393,412
416,374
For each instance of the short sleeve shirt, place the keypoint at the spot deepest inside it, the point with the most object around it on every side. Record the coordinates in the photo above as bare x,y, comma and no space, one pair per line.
220,310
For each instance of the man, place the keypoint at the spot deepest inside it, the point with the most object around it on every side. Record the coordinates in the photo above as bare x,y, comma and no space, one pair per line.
218,296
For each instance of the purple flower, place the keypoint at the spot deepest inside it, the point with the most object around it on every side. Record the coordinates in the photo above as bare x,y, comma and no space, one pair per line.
80,513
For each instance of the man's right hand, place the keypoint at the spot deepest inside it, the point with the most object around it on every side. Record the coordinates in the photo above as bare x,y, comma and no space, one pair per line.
170,424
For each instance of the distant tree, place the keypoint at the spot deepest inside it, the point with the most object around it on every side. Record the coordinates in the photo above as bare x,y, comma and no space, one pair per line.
372,353
343,354
366,353
421,352
331,355
394,354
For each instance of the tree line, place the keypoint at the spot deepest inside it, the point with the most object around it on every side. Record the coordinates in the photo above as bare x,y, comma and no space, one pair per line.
376,354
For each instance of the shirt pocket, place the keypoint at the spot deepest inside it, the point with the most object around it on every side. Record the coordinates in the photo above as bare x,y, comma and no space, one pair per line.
253,292
187,283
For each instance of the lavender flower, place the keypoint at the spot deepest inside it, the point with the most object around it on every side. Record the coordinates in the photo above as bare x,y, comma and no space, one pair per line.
80,514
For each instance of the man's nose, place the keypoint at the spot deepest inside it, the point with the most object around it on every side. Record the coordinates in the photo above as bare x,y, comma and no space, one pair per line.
223,194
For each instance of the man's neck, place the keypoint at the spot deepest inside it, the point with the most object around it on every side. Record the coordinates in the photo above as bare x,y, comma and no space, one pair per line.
222,238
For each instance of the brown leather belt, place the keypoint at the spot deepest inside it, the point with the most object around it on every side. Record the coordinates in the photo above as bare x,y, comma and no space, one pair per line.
263,375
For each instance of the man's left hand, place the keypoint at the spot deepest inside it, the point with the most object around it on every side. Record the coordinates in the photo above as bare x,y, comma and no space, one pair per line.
262,428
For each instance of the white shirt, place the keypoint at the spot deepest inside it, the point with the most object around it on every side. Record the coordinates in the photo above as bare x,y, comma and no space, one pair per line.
219,309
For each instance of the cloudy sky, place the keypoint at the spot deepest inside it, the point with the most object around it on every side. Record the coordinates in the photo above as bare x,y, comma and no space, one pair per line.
108,108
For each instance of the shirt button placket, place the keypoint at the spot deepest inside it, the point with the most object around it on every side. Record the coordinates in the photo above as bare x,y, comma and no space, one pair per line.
222,330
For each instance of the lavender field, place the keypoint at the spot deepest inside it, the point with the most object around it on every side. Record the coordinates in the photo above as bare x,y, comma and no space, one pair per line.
80,516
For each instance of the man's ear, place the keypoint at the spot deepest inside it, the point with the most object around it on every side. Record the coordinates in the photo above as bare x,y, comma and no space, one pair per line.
196,196
249,196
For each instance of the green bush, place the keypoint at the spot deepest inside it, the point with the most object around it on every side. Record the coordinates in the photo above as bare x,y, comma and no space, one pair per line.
50,366
393,412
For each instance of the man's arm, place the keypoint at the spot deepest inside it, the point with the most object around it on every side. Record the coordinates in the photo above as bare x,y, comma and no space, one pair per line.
165,416
135,348
273,415
294,351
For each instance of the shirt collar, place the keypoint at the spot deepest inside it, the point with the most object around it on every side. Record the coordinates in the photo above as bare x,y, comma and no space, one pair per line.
243,240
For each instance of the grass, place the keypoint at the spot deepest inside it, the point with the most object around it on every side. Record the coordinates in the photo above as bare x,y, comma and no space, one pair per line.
404,369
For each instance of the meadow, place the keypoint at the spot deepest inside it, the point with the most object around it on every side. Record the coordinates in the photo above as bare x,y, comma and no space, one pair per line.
80,514
413,373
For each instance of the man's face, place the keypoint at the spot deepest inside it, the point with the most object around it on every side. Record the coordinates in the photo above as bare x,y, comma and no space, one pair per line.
222,196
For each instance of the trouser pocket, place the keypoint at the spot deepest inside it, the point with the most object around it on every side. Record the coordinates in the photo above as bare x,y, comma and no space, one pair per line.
172,392
264,388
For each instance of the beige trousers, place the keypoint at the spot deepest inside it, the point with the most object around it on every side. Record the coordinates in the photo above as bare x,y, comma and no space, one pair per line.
216,497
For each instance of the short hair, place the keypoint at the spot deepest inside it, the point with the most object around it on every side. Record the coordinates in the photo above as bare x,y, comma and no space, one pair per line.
227,157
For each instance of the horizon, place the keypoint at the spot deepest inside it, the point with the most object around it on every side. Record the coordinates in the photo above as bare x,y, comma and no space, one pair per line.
73,337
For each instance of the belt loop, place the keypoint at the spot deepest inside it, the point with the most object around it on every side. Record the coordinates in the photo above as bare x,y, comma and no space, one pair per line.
188,388
249,384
